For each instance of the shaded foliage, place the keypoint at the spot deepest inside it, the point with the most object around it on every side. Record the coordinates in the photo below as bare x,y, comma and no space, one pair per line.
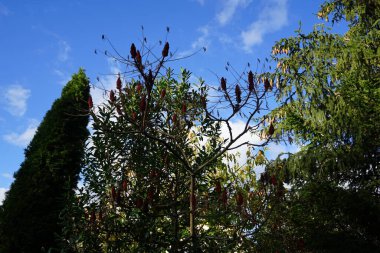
29,216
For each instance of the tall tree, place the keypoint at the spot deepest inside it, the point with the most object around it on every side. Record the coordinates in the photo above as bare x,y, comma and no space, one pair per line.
329,89
29,216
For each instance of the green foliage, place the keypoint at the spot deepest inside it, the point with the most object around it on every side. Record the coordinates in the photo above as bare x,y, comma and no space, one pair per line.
158,176
29,216
330,103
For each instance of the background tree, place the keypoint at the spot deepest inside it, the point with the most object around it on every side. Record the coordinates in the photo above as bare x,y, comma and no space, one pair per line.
29,216
157,175
329,89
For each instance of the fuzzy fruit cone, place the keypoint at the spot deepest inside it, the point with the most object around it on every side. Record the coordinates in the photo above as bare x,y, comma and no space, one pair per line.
112,96
139,203
165,51
239,199
273,180
133,51
266,84
142,104
138,57
223,84
238,94
90,103
124,185
138,88
174,118
251,84
271,129
218,187
163,93
184,108
133,116
118,83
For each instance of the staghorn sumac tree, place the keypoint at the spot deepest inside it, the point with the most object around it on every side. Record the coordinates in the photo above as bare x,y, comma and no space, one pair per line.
159,176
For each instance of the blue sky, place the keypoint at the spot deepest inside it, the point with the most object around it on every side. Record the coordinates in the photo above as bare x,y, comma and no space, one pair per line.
42,43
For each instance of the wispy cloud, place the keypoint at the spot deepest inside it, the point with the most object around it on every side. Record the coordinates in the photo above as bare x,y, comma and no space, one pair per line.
4,11
24,138
15,99
65,78
201,2
229,9
2,194
203,41
272,18
63,50
7,175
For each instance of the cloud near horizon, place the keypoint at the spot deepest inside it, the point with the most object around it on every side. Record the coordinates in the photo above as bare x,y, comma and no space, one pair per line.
273,17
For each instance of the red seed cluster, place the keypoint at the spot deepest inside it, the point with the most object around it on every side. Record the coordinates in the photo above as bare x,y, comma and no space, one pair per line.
251,85
138,57
165,51
124,185
223,84
142,104
163,93
90,103
133,51
271,129
239,199
218,187
266,84
118,83
138,88
112,96
184,108
174,118
238,94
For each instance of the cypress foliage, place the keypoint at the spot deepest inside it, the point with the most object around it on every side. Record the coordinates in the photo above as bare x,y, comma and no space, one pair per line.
29,216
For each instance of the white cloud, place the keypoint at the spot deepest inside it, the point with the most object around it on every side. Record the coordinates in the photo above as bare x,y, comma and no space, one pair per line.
22,139
273,17
106,83
4,11
237,128
7,175
15,98
203,40
275,149
229,9
64,50
2,194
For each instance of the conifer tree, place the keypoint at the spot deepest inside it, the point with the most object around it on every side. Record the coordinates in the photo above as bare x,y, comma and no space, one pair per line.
329,90
29,216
